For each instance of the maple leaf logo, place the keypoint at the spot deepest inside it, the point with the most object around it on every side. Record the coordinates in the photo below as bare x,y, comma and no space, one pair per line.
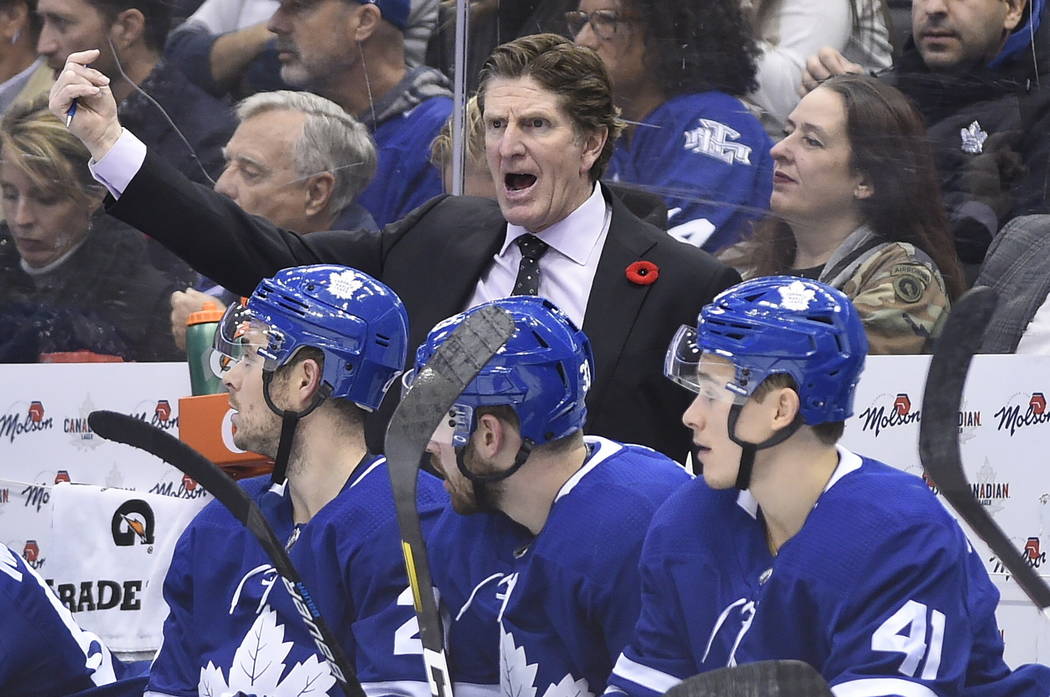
258,665
517,676
569,687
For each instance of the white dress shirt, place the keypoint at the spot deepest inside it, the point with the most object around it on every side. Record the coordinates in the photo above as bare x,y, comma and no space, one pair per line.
566,270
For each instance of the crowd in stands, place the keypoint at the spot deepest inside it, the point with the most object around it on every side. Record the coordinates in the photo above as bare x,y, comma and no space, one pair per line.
781,136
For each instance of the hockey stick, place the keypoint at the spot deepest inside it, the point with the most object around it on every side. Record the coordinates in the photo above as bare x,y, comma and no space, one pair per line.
122,428
939,426
427,402
761,679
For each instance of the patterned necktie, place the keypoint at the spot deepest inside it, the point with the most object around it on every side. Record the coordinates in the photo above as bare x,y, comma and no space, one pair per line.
528,280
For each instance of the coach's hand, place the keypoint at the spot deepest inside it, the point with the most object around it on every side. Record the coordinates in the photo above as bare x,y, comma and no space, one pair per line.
95,122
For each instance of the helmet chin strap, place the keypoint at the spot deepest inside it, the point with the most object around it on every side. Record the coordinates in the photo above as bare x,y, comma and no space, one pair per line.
747,457
289,423
480,482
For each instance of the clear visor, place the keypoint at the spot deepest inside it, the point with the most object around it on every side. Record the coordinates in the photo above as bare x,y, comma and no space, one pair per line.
454,428
709,376
240,337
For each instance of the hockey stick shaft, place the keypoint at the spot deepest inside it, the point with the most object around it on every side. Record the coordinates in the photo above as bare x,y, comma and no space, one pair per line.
938,440
128,430
433,392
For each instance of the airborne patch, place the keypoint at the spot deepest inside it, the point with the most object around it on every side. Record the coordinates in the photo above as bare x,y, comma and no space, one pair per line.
910,282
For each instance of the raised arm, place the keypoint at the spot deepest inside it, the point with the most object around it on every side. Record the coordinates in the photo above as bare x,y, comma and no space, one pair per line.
206,229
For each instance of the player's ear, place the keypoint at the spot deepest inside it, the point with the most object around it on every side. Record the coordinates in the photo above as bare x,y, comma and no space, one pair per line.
489,436
787,407
306,381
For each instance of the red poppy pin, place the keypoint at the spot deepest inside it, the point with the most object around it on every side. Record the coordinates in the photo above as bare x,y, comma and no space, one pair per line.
642,273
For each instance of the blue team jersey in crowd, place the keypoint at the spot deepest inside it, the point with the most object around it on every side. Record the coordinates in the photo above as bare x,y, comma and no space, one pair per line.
232,625
880,591
709,159
547,615
404,177
43,652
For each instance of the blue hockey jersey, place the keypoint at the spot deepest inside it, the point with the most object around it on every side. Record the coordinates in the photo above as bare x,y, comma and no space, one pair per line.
546,616
43,652
404,177
709,159
880,591
232,625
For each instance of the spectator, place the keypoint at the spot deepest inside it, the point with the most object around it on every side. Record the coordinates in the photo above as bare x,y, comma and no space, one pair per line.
550,122
354,54
23,75
678,71
1018,268
477,180
130,35
790,31
297,160
226,46
492,22
71,279
973,70
856,206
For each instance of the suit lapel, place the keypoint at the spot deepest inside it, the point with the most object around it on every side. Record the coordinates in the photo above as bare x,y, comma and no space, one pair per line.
443,283
614,302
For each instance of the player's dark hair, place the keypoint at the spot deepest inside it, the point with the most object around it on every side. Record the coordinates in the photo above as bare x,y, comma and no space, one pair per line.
574,73
157,15
889,146
506,413
827,433
693,46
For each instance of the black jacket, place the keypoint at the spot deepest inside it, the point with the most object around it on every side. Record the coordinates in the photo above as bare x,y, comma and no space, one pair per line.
433,259
105,298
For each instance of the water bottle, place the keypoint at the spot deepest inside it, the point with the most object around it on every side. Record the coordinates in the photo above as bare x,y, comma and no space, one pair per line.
200,331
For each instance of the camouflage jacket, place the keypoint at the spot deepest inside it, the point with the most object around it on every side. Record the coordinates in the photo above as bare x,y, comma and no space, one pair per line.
896,288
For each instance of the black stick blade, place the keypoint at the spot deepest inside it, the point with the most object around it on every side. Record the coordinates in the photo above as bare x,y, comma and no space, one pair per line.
939,427
761,679
128,430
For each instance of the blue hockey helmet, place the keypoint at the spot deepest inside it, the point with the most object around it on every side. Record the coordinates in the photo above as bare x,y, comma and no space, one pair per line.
358,324
543,372
780,324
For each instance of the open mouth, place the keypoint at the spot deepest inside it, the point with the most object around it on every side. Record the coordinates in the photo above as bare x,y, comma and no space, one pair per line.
518,182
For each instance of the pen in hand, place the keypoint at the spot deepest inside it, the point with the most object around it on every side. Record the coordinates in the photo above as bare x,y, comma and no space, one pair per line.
71,112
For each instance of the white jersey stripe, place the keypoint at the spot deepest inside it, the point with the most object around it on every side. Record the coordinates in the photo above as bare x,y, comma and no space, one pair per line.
401,688
881,687
644,675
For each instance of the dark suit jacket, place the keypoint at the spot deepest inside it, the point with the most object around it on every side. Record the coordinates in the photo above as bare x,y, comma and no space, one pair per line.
433,259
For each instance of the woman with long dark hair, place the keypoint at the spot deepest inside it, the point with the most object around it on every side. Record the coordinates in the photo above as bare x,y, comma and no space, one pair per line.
856,205
679,71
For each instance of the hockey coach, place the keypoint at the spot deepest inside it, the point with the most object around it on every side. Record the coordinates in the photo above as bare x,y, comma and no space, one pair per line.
554,231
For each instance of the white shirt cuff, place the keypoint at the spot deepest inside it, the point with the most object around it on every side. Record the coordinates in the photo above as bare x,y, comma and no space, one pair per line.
118,167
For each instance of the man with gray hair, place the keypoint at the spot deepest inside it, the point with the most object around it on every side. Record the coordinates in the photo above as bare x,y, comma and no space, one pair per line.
298,160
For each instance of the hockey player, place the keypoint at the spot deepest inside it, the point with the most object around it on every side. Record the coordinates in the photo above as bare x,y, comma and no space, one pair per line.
542,581
793,547
43,652
320,345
